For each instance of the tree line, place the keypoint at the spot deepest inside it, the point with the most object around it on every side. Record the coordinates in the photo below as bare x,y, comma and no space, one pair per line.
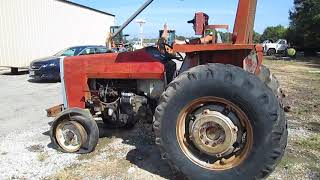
303,32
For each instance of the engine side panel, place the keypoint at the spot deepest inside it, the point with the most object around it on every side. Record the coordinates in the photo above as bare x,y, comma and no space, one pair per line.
129,65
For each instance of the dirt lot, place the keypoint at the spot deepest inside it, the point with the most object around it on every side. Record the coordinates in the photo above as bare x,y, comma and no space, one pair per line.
301,83
26,152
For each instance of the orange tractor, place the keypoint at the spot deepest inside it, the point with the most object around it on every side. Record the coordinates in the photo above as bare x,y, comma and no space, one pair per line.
218,117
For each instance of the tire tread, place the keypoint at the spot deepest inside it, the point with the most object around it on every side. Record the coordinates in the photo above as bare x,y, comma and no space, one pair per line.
279,130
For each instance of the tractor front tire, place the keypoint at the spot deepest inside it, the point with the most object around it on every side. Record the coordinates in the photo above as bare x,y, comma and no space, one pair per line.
74,131
220,122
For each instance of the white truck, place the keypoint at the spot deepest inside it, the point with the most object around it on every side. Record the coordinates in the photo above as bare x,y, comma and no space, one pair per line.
278,47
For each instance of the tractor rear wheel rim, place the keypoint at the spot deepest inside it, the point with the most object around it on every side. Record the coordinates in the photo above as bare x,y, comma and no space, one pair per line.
70,135
213,133
210,141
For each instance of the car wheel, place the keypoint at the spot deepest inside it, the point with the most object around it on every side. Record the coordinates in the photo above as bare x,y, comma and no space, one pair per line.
271,52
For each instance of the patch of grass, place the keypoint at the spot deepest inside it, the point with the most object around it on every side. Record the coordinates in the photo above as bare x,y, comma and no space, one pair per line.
42,156
98,150
288,161
17,177
300,81
310,77
36,148
65,175
313,164
313,126
314,168
110,168
310,143
302,110
267,61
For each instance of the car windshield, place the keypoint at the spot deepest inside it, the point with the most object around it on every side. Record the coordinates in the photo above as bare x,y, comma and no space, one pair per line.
73,51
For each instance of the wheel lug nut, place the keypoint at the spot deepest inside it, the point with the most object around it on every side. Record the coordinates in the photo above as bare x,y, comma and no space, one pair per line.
206,142
201,137
222,161
205,112
235,129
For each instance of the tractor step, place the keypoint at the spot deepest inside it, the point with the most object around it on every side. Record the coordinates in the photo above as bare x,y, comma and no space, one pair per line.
54,111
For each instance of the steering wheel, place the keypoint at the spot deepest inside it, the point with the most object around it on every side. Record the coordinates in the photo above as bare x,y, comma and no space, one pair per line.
165,52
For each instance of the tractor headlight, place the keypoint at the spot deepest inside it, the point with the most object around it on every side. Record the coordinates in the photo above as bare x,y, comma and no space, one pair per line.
250,63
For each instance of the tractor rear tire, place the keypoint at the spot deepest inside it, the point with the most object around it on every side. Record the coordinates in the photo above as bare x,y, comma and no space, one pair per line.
83,128
243,91
271,81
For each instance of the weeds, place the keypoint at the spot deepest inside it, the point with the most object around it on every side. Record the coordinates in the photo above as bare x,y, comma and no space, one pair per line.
42,156
312,143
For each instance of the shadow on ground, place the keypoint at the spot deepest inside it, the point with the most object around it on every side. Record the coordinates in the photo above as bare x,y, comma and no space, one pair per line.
314,126
42,81
6,73
146,154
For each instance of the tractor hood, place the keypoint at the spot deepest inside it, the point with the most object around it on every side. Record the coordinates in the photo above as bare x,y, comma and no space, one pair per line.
75,71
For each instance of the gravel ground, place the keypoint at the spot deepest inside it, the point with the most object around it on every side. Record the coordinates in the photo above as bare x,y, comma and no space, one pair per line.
300,81
26,152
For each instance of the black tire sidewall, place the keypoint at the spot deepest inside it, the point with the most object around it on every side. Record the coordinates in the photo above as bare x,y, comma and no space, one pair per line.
92,133
191,89
271,52
88,124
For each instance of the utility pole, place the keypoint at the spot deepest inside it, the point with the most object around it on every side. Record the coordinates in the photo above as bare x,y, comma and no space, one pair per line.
141,22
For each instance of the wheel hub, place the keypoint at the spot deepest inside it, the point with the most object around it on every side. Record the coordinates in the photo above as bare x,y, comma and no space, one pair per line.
213,133
70,135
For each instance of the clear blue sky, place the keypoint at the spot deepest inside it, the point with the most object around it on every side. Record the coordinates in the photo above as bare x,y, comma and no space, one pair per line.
177,12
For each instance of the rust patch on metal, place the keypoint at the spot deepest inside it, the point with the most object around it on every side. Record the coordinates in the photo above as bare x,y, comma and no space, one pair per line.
54,111
223,163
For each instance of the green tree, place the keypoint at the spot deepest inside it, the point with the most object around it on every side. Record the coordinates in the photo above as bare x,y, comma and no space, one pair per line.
274,33
225,36
256,37
304,30
181,38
